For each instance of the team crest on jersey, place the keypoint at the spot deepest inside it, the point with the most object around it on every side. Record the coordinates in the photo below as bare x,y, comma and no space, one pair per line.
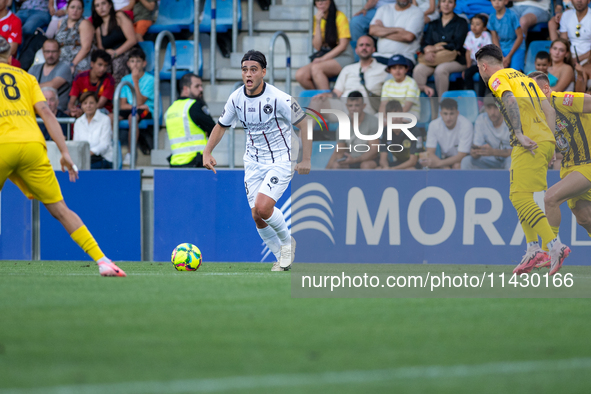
268,109
568,100
274,180
496,83
406,144
562,144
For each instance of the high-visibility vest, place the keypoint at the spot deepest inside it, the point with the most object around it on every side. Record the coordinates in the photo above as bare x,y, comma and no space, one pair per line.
186,138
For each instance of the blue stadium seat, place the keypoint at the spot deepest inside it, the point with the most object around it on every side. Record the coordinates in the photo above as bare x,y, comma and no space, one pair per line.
148,48
87,9
306,95
538,27
452,77
174,16
223,21
532,51
467,102
143,124
184,61
320,159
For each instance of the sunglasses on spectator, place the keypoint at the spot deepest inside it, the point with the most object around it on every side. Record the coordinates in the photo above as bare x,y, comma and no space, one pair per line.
578,33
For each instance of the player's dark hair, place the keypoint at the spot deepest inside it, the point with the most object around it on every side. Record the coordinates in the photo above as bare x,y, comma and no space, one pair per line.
539,76
138,53
331,36
482,17
490,52
355,95
394,106
185,81
255,56
100,54
543,55
86,95
448,103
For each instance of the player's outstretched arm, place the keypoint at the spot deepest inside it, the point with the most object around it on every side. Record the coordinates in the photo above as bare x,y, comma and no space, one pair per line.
55,131
304,166
214,139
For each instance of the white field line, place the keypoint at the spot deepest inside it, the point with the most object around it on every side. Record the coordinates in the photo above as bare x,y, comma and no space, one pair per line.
234,383
149,274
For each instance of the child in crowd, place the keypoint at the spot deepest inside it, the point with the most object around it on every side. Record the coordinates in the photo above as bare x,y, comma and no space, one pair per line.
401,87
57,10
144,13
477,38
542,63
507,35
97,80
95,128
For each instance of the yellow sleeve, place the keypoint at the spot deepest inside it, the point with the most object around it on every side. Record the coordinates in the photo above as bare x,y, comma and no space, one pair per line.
342,26
36,93
569,101
314,26
499,84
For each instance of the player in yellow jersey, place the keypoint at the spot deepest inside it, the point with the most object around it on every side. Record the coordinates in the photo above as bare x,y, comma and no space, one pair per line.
23,154
531,122
573,140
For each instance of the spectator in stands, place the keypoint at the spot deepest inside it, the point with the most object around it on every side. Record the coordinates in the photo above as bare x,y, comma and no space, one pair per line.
188,115
33,14
477,38
97,80
144,15
453,133
429,8
75,35
560,68
143,84
57,10
54,72
401,87
52,102
357,153
331,42
491,147
399,152
114,33
398,28
359,24
531,12
444,38
507,34
95,128
124,7
10,27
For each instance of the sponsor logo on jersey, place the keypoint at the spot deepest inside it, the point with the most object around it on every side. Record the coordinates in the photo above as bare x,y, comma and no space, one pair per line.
568,100
252,110
496,83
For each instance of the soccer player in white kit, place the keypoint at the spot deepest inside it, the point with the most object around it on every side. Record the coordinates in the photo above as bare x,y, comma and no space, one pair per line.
267,115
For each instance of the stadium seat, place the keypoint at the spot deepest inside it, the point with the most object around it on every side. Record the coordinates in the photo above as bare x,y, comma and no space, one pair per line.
174,16
452,77
538,27
143,124
306,95
87,9
532,51
148,48
320,158
223,21
184,61
467,102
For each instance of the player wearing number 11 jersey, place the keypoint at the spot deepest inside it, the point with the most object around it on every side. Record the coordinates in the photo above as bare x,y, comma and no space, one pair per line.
23,155
531,121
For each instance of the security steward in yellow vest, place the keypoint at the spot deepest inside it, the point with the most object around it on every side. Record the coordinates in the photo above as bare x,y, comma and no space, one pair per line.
188,124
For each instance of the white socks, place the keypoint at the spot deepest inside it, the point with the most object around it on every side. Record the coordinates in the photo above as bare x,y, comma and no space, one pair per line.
531,244
277,223
270,238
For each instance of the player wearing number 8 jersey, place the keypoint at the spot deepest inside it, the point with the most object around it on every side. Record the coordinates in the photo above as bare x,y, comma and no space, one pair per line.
531,121
23,155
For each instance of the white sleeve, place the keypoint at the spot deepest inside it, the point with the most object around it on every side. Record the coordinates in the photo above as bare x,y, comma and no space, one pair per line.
229,113
378,16
104,137
416,24
564,22
79,130
432,135
466,135
296,112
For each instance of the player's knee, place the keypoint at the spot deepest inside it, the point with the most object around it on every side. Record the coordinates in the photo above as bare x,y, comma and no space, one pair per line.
263,211
550,199
58,210
583,220
257,219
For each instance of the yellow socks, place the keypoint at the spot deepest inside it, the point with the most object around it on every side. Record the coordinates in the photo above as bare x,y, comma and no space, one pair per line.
532,216
86,241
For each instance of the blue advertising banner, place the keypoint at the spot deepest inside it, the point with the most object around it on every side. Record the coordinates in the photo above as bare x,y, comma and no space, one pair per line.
109,204
435,217
15,224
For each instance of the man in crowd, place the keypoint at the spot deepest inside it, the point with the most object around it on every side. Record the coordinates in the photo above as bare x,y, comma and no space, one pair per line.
52,101
359,24
188,124
54,73
33,14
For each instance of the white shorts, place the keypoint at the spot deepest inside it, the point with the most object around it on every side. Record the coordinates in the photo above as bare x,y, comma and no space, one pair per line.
269,179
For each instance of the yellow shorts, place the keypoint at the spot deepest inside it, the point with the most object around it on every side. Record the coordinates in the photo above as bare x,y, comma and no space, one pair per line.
585,170
28,167
528,172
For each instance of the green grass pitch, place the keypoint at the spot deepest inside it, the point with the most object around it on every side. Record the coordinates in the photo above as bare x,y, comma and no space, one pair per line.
234,328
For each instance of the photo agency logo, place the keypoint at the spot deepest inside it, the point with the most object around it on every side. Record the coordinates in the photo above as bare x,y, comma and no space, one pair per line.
394,121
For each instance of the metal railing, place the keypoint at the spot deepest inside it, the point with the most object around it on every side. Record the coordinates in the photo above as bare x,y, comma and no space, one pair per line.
250,17
157,109
287,60
196,35
67,121
235,5
212,44
132,127
348,13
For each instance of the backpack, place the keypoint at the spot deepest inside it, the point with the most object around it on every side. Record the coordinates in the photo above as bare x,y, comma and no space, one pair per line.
30,48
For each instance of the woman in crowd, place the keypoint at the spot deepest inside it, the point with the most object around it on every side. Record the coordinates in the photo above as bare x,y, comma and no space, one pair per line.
561,67
114,33
443,48
331,37
94,127
75,35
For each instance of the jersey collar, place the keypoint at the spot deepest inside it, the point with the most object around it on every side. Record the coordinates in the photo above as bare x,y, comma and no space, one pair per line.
256,95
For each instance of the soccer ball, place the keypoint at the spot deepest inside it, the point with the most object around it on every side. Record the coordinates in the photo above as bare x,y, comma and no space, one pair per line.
186,257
